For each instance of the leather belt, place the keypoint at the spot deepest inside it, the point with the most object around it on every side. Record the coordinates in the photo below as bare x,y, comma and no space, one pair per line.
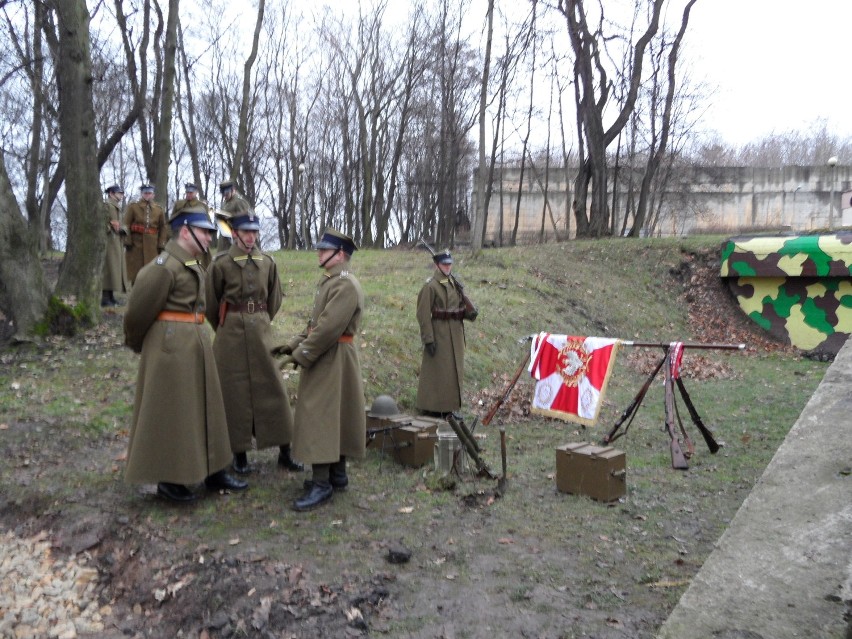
180,316
345,339
441,314
144,230
247,307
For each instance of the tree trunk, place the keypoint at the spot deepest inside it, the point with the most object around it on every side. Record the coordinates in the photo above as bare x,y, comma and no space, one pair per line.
163,147
656,156
82,268
242,131
23,292
481,216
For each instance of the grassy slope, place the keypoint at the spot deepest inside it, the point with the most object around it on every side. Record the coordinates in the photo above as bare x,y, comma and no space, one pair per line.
555,561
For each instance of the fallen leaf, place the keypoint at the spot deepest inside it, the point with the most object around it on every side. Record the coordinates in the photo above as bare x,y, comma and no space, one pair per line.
4,426
505,540
234,541
406,509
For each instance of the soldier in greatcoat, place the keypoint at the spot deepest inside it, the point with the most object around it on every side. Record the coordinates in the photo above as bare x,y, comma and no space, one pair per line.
232,204
115,274
179,433
330,419
243,295
146,222
441,312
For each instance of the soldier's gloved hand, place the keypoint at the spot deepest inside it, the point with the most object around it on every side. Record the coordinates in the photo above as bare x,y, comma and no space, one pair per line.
286,361
283,349
431,348
473,315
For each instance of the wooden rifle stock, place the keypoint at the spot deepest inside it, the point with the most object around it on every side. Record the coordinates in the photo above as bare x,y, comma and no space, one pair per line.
507,392
678,458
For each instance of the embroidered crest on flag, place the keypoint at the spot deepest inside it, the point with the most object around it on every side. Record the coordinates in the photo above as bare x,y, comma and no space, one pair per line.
572,374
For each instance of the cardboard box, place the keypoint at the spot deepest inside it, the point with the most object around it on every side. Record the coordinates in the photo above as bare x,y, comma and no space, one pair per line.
598,472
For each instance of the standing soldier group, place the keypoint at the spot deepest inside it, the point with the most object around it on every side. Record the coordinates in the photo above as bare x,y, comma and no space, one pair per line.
201,406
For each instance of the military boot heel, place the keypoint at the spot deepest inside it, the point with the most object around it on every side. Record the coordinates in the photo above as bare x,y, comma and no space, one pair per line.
285,460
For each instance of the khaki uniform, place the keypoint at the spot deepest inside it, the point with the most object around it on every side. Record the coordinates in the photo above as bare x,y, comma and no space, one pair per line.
148,234
330,417
244,293
179,433
237,204
115,273
439,389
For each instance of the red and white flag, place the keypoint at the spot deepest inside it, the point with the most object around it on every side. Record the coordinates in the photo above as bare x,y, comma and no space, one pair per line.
572,374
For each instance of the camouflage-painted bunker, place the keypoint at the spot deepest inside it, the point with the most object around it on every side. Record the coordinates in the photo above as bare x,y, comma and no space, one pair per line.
799,288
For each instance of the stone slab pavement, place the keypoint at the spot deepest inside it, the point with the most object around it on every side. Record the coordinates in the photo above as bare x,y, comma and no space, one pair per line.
783,568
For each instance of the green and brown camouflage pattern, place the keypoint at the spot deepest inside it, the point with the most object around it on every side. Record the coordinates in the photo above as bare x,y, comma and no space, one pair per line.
799,288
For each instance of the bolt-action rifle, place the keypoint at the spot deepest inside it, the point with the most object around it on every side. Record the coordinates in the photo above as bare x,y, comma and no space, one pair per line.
508,390
468,305
679,456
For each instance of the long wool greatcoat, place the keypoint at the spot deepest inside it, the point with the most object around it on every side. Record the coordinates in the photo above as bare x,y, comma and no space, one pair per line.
440,386
144,247
179,433
115,274
330,417
252,387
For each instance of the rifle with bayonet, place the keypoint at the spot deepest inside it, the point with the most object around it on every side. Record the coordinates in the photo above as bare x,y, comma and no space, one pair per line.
678,455
469,308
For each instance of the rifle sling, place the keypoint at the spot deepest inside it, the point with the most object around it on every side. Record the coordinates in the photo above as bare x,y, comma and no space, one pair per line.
637,402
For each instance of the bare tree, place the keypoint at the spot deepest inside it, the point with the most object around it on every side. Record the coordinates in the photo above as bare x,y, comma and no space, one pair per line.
593,93
659,146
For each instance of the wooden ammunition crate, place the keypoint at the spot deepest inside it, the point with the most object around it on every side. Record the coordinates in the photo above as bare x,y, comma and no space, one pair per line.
414,444
598,472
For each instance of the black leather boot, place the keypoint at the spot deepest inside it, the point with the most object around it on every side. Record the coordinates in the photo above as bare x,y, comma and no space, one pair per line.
223,481
285,460
175,492
105,298
319,493
240,464
337,474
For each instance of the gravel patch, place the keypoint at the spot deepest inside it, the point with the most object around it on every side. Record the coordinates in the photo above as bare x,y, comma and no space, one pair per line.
45,596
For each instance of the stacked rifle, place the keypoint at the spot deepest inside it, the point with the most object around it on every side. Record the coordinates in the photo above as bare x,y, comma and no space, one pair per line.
679,439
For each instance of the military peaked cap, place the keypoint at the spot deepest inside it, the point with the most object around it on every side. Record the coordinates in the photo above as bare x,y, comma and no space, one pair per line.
443,257
192,215
114,188
333,239
245,222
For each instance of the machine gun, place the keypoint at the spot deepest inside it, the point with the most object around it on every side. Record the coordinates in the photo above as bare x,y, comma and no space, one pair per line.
678,442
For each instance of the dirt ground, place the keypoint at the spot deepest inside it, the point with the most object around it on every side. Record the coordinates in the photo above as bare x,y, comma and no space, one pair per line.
526,563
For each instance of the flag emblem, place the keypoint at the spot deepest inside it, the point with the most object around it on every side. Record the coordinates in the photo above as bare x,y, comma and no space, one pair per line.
571,373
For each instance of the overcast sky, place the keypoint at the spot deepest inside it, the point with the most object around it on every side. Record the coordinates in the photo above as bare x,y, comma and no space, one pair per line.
778,64
774,65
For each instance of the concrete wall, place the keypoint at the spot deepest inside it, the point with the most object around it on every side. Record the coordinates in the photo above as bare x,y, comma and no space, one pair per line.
734,198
